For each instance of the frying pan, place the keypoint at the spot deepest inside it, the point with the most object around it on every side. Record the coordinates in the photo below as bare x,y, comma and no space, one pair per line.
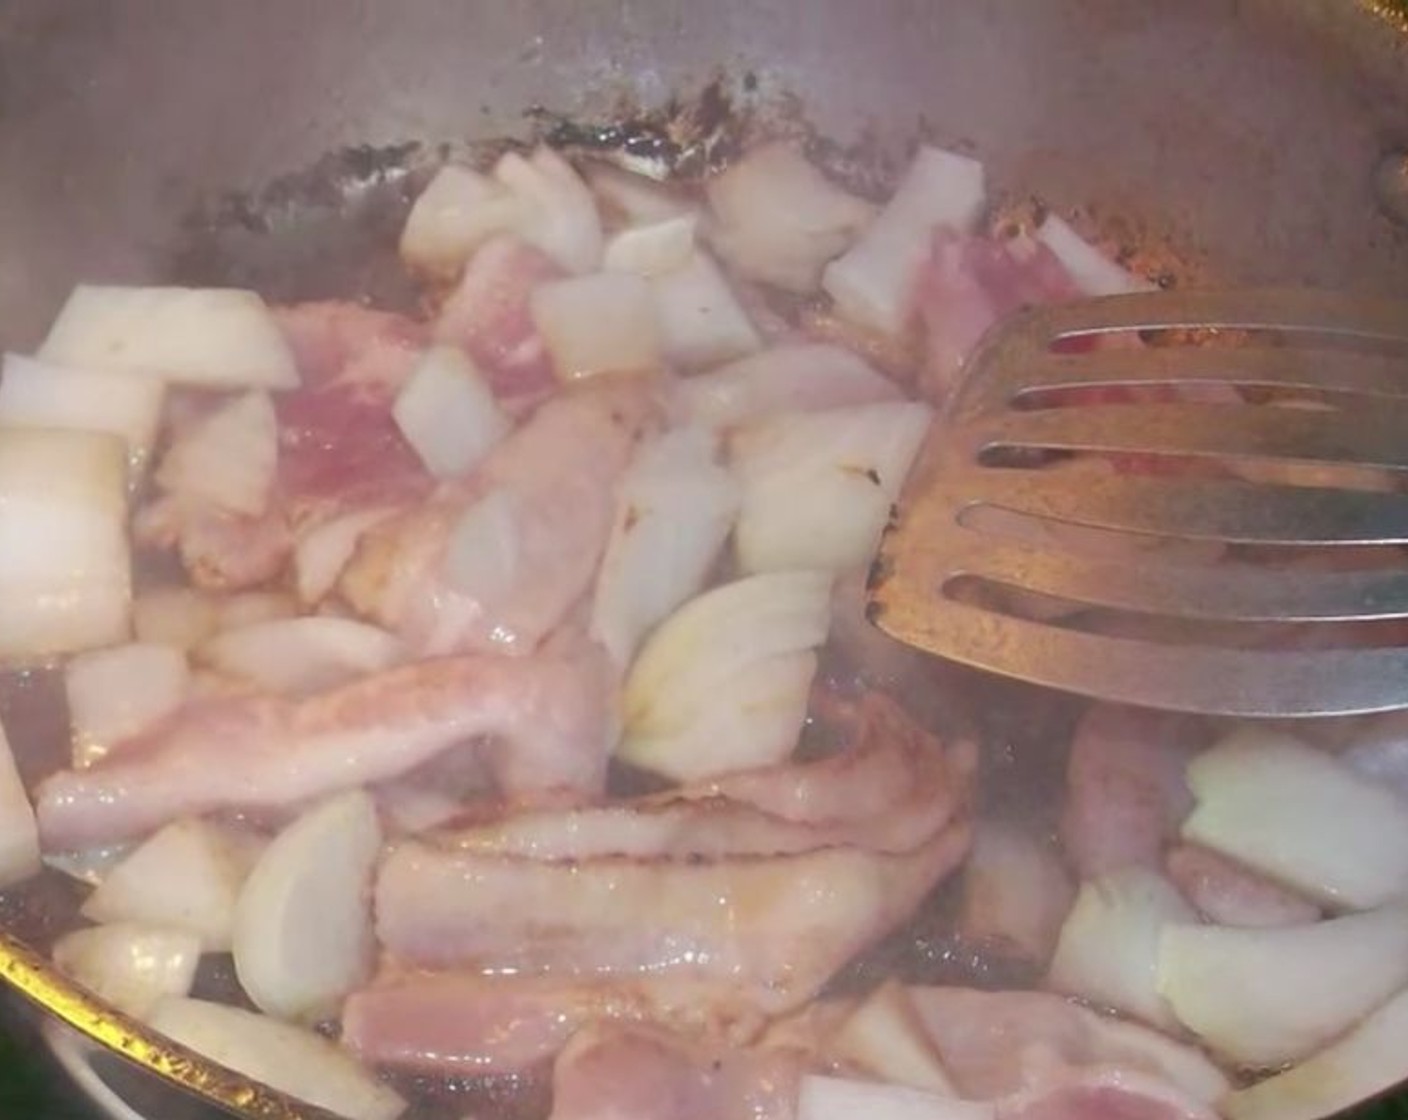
275,143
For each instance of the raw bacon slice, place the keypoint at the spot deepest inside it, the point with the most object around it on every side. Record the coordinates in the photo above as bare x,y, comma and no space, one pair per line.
540,725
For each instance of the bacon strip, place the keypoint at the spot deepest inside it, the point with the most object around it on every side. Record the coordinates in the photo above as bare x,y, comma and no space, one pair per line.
555,478
543,724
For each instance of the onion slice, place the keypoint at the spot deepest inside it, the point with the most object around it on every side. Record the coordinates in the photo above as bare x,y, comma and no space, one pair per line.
448,414
302,934
1264,997
674,511
1093,272
187,876
181,617
602,323
652,249
817,487
722,684
1369,1059
65,563
288,1058
872,283
1109,945
130,965
117,693
35,394
779,220
19,834
457,212
559,213
699,319
1301,817
208,337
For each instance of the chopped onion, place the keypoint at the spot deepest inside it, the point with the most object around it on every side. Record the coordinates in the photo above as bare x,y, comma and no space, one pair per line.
674,511
288,1058
1016,893
447,412
457,212
320,554
885,1038
1301,817
249,607
117,693
779,219
226,459
187,876
634,198
1094,273
872,283
600,323
297,656
35,394
211,337
91,865
792,377
65,564
481,558
302,934
817,487
722,684
559,214
839,1098
699,319
130,965
654,249
174,616
1108,952
1263,997
1369,1059
19,834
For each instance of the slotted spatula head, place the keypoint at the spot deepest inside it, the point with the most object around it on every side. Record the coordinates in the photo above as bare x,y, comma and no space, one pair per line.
1194,501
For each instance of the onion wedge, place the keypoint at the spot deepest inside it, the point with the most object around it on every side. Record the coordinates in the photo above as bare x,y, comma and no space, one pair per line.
288,1058
209,337
302,935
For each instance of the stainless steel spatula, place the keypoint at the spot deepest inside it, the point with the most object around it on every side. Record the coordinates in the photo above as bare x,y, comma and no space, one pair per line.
1170,499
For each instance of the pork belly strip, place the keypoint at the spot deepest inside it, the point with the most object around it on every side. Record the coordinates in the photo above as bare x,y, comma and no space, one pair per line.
540,724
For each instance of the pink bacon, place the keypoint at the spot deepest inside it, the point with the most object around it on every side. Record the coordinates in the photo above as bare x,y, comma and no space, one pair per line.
539,725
